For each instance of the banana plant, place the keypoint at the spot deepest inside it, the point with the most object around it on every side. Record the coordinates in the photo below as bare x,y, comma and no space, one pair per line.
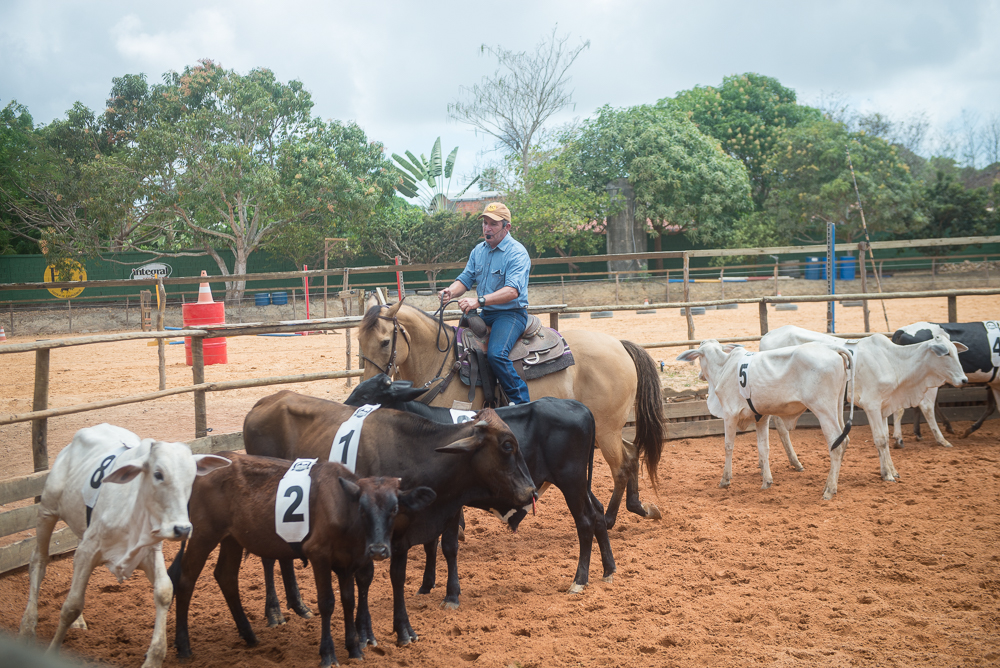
428,180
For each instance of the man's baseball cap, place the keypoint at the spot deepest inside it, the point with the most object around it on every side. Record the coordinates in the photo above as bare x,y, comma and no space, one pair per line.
496,211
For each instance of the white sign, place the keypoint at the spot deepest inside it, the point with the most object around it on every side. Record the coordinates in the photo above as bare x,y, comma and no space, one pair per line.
993,340
458,417
291,505
743,374
92,486
345,443
152,270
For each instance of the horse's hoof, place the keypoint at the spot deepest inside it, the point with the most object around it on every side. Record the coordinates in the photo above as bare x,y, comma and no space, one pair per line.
652,512
449,605
576,588
608,578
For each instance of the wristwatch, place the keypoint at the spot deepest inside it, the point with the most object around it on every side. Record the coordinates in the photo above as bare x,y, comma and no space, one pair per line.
482,302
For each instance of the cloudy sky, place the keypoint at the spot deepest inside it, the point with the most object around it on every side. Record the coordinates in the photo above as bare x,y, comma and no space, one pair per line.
393,66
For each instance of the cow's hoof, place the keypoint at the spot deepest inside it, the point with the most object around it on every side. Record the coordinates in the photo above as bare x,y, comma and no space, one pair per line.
723,484
899,444
405,639
608,578
652,512
766,485
576,588
827,496
275,621
80,623
449,605
945,444
461,534
303,612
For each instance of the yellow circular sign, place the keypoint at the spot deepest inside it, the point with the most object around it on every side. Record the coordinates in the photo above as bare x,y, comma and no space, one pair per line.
67,270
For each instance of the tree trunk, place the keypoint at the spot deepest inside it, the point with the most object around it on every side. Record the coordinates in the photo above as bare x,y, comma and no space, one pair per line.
432,279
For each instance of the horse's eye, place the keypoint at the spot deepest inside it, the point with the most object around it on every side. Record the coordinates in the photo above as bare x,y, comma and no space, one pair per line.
385,344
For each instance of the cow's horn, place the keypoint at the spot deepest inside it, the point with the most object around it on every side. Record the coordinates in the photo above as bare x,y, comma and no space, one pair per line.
482,423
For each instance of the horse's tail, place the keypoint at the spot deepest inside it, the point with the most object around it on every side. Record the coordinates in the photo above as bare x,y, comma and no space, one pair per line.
648,410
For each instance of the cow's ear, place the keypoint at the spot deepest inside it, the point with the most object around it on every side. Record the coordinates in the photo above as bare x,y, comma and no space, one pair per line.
417,499
961,347
350,488
730,347
208,463
123,474
462,446
689,355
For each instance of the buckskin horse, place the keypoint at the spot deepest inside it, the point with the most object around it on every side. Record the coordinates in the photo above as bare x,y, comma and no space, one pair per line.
609,377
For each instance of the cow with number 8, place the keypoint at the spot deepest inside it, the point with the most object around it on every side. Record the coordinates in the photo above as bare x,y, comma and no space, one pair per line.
122,497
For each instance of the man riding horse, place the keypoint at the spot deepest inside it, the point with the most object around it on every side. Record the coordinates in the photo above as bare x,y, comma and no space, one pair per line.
499,269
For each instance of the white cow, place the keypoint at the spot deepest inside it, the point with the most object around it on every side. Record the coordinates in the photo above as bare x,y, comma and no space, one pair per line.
887,378
784,383
979,360
129,521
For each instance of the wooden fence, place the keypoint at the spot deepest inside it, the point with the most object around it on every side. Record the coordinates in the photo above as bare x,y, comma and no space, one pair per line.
26,487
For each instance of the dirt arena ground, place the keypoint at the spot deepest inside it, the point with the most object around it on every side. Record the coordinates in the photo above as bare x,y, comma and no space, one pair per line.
883,575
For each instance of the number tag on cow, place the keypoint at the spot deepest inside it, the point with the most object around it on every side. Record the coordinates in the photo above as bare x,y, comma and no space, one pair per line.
92,487
291,506
852,345
744,374
458,417
993,340
345,443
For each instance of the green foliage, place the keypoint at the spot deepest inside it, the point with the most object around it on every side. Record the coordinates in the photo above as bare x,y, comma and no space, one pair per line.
813,185
680,176
426,179
747,114
418,237
552,211
954,211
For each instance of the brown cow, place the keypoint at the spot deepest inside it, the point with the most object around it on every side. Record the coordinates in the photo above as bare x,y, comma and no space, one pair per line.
350,523
464,464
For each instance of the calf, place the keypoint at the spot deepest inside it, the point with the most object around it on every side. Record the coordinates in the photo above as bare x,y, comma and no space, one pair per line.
349,523
888,377
464,464
980,361
122,524
557,441
784,383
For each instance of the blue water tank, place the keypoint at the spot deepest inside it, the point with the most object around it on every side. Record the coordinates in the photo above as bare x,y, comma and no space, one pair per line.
815,269
279,298
262,299
845,267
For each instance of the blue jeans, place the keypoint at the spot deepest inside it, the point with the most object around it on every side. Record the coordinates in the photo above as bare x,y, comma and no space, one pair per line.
507,326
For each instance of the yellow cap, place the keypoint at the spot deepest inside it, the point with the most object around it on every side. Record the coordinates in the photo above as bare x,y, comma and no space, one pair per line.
496,211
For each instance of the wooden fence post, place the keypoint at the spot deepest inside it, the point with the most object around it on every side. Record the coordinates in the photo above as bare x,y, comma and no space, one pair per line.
40,428
762,309
554,320
687,295
953,309
198,376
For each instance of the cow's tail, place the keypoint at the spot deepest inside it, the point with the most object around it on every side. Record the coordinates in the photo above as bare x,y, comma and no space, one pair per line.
849,388
174,572
648,410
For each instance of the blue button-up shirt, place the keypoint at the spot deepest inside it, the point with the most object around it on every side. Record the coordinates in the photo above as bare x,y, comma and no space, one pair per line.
490,269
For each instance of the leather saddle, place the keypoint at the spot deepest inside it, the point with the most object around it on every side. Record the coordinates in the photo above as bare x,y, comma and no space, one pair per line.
537,345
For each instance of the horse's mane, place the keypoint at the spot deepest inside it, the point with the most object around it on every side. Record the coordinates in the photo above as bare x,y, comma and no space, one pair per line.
370,318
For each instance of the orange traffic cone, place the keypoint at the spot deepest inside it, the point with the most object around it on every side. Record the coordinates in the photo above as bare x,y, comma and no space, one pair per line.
205,292
3,335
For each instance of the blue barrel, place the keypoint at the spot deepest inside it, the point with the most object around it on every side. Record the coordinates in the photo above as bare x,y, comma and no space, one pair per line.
815,269
845,268
279,298
262,299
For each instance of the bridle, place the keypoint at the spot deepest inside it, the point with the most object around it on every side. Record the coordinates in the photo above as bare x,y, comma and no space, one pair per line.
393,350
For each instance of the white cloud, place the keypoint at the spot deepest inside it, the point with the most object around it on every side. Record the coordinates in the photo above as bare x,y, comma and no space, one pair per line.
205,33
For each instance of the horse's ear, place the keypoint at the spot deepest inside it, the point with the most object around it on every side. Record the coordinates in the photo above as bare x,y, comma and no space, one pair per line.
394,309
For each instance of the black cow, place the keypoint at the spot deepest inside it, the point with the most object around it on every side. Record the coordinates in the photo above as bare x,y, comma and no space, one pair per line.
557,441
463,464
979,362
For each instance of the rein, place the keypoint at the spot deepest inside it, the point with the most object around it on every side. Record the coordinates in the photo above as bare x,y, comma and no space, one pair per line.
396,329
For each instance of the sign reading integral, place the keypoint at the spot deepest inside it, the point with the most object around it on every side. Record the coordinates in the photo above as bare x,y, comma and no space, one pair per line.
152,270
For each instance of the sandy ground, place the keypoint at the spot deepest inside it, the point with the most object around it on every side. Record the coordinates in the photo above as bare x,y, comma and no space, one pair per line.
885,574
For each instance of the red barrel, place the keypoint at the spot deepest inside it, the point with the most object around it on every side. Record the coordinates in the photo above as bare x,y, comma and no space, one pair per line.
210,313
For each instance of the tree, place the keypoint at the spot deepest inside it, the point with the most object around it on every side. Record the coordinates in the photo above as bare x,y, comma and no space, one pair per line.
418,237
426,178
526,89
955,211
683,181
813,185
747,115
